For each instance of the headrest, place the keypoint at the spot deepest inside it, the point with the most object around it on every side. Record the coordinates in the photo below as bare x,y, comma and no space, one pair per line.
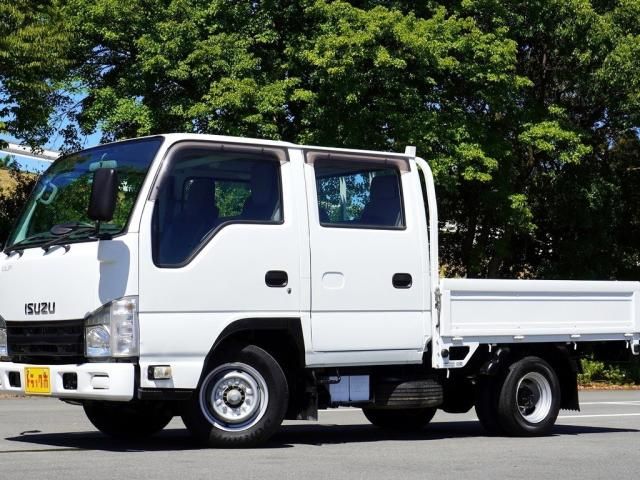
264,182
200,193
384,187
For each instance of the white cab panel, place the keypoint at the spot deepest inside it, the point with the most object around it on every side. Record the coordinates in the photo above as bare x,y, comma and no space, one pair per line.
182,340
79,280
472,308
228,274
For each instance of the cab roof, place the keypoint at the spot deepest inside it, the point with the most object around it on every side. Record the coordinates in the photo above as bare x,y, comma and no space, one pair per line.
176,137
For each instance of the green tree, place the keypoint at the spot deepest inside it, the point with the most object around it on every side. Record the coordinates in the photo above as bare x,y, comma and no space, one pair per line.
33,63
13,199
528,112
565,138
332,73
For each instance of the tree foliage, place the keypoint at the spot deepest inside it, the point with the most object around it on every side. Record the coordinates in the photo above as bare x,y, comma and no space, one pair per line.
33,64
13,197
527,111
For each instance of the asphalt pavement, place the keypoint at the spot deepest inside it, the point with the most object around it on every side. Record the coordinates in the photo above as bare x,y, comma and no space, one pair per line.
46,439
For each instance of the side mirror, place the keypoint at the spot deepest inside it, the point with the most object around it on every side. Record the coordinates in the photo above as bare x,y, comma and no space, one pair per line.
104,193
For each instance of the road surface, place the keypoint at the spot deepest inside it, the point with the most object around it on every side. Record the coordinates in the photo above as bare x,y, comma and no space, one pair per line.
46,439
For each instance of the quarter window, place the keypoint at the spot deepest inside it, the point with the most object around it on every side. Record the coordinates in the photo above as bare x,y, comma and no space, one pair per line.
355,194
205,189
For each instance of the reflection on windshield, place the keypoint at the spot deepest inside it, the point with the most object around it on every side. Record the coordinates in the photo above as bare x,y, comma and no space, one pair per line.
62,193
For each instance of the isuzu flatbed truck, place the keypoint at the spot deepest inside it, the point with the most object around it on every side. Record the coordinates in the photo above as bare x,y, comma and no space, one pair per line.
240,282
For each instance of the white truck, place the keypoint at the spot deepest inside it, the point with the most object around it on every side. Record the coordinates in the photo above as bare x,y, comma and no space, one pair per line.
239,282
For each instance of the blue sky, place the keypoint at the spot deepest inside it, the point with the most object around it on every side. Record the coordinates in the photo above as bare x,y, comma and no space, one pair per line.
30,164
38,166
54,143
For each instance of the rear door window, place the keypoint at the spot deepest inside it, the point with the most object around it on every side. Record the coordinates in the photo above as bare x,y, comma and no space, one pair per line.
358,195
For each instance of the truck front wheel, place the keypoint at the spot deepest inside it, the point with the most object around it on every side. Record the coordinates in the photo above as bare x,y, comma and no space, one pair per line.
241,401
529,400
128,421
406,419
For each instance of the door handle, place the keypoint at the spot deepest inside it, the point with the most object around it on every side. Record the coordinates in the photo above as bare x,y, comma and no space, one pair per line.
276,278
402,280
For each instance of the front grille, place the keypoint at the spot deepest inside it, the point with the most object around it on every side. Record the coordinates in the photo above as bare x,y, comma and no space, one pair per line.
46,342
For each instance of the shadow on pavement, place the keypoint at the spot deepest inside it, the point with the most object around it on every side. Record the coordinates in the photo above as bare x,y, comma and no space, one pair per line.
287,437
168,440
323,434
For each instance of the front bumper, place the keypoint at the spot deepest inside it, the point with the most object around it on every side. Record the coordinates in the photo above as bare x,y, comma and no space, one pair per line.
96,381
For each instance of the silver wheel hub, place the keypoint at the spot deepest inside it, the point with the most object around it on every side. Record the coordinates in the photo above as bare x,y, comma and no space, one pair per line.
234,397
534,397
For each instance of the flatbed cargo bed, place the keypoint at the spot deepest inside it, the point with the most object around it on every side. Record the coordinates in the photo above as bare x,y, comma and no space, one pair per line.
547,310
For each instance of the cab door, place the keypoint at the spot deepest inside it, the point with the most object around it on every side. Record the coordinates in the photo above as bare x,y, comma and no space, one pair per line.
369,272
218,243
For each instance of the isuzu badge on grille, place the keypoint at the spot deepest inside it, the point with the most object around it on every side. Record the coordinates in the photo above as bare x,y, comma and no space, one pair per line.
40,308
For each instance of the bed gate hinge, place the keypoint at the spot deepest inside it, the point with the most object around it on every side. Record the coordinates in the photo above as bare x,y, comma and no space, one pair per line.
438,303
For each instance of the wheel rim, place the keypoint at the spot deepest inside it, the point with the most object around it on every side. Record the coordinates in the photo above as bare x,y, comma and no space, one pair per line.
534,397
234,397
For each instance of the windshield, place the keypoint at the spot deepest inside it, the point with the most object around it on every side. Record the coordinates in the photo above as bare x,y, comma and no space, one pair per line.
62,193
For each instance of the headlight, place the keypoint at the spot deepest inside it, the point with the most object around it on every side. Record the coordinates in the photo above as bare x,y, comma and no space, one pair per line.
112,330
4,351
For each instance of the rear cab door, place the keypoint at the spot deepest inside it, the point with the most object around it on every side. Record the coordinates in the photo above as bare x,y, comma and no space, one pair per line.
369,259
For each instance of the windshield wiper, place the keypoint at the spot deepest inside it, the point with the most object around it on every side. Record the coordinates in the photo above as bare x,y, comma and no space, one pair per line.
62,231
69,227
25,242
59,232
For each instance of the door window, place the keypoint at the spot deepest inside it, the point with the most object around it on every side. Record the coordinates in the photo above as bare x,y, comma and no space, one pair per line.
358,195
206,189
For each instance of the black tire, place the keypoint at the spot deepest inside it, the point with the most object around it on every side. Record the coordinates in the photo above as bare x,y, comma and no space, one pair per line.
128,421
249,378
410,419
529,398
486,403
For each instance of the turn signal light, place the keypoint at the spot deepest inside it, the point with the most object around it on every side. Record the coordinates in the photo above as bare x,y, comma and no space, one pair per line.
159,372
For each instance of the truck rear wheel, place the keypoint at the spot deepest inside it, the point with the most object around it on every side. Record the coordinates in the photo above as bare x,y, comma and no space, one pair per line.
529,399
406,419
241,401
128,421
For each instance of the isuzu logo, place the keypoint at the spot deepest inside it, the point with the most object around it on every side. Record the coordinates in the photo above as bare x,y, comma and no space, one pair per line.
40,308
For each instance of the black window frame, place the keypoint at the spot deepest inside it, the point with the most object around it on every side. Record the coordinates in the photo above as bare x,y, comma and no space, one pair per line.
164,173
362,226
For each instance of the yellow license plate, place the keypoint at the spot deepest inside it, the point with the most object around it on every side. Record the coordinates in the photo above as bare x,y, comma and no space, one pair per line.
37,380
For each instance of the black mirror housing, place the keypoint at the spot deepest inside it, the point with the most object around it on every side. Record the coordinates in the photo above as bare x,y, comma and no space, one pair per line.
104,193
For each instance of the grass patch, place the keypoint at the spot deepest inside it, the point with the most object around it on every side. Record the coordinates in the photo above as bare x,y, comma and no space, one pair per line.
609,373
6,182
